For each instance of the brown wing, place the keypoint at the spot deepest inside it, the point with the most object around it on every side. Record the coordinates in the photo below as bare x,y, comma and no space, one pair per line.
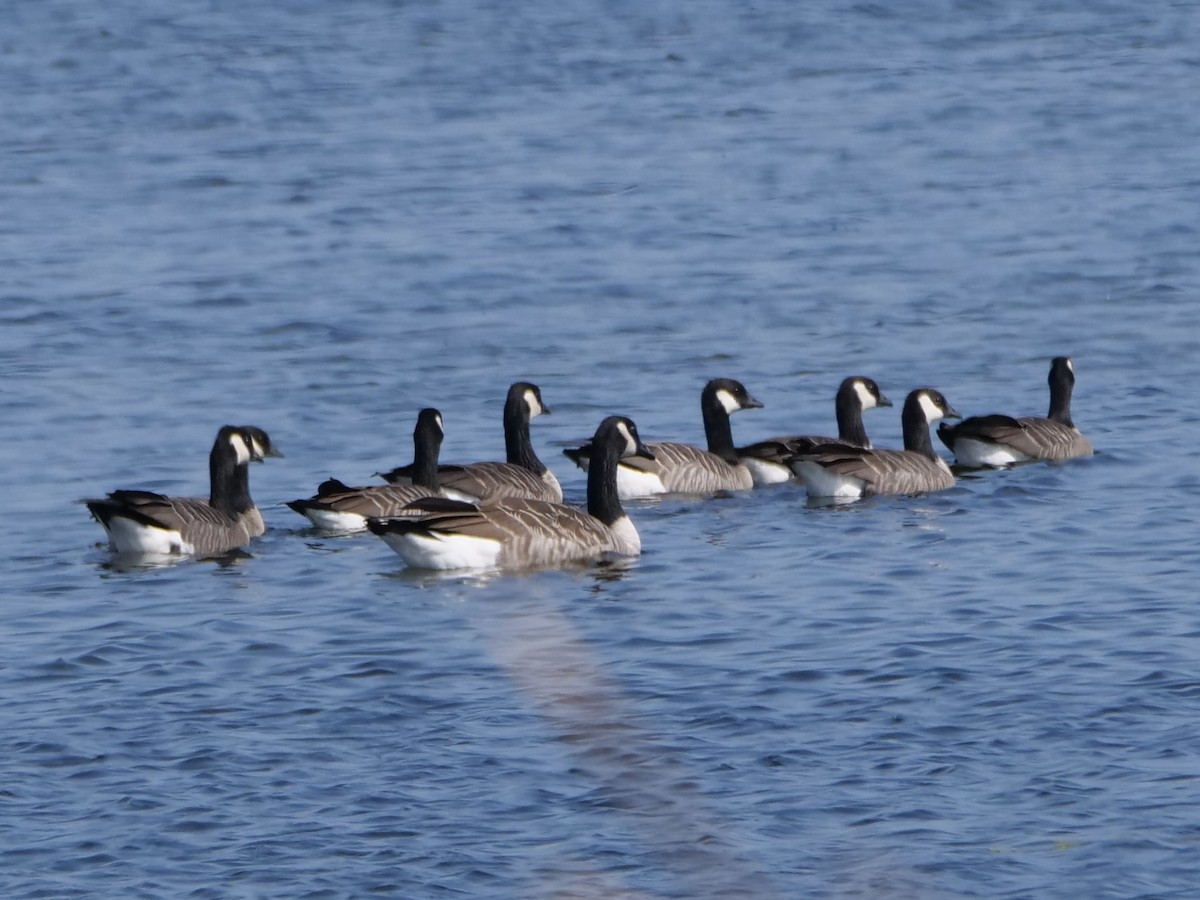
486,480
685,469
884,471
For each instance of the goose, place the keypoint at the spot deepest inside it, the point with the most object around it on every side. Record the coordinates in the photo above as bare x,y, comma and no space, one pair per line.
522,475
768,460
148,524
684,469
336,507
998,440
517,532
843,471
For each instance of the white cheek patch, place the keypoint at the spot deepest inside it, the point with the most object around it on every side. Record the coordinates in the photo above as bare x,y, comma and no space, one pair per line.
438,419
728,401
256,449
240,449
531,400
865,397
1071,365
932,411
630,443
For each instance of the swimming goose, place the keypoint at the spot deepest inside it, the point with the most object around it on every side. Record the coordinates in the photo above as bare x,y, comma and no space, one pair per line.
768,460
145,523
842,471
682,468
522,475
998,440
336,507
516,532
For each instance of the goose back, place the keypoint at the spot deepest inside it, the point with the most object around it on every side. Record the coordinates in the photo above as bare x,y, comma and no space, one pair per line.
519,532
1000,440
152,524
341,508
843,471
522,474
769,460
683,468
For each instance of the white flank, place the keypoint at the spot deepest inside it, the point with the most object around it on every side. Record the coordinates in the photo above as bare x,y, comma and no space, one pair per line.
132,537
970,452
766,472
333,520
820,482
444,551
634,483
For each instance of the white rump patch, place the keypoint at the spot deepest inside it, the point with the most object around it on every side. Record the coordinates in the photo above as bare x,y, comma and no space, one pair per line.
137,539
444,551
820,482
766,472
979,454
634,483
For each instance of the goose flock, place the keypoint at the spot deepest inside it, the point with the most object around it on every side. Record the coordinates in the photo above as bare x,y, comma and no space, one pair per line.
511,515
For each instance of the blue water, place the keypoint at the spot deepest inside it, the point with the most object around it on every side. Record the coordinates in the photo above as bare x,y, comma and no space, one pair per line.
318,218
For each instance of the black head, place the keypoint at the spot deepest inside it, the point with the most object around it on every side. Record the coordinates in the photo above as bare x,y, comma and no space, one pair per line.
248,443
429,421
865,392
729,394
621,432
529,396
1062,370
930,405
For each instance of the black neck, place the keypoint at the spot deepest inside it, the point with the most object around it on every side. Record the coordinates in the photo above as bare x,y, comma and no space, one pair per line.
229,483
849,416
1062,383
916,429
716,427
517,446
603,501
426,446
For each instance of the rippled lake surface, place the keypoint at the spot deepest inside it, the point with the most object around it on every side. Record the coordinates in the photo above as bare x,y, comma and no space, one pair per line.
318,218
